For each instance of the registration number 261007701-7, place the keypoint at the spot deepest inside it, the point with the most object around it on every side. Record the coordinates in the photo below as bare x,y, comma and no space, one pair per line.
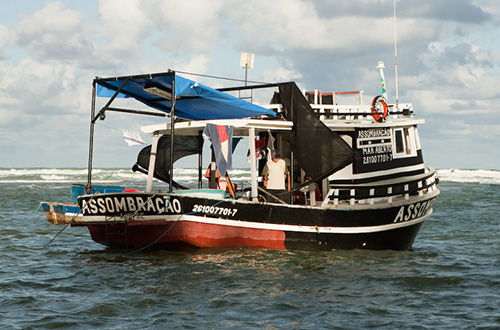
216,210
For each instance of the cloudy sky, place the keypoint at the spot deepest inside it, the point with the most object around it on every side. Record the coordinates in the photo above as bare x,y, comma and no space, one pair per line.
448,64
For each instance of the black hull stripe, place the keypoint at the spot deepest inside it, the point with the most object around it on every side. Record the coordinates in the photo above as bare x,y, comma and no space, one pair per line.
375,178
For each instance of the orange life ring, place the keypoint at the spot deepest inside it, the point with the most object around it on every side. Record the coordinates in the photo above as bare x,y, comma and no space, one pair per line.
380,103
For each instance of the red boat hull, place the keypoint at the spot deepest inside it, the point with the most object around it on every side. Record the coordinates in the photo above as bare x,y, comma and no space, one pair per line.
183,234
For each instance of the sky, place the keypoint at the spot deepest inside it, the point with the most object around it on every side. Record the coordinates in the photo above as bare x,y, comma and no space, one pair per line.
50,51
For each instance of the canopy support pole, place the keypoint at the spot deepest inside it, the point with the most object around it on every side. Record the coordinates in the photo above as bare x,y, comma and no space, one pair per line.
103,110
253,167
292,160
396,56
91,142
137,112
212,180
200,160
93,119
292,169
172,122
152,162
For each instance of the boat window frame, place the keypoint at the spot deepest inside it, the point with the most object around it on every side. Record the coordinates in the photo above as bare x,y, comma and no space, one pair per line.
417,138
404,142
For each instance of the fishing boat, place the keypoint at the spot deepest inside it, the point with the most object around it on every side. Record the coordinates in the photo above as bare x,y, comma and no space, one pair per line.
365,160
62,213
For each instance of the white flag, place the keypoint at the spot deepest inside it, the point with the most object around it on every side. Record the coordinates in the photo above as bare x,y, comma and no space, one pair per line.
132,139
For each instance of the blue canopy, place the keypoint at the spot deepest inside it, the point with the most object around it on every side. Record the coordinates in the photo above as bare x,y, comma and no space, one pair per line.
194,101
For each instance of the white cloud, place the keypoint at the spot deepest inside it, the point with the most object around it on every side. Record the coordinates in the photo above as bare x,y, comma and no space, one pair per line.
131,27
55,18
188,25
5,36
41,87
299,25
489,6
456,79
281,74
463,132
122,25
53,32
193,63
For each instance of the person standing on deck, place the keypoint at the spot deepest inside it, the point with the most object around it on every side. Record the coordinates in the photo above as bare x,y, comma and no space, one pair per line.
273,175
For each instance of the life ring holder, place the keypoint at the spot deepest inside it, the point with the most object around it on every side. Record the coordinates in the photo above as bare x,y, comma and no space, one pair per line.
379,103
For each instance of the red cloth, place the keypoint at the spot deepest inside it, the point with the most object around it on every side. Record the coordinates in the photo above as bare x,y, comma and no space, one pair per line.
260,143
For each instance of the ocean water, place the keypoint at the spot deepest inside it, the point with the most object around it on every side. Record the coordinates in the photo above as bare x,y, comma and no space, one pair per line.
56,277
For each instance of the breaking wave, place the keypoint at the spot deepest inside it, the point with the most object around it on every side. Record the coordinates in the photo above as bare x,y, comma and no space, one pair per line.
69,175
189,175
108,175
469,176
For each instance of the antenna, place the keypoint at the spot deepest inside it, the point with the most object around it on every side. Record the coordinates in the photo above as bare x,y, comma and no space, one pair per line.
396,56
246,62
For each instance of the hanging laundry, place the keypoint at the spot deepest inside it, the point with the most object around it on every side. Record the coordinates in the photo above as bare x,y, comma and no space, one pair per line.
223,150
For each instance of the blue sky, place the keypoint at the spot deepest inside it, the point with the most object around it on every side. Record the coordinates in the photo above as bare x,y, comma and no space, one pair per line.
448,64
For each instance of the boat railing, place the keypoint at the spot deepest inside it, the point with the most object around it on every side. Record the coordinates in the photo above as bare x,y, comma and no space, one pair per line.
349,112
382,193
318,97
326,107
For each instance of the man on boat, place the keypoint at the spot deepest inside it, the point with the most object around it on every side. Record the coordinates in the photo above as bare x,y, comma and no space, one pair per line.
215,182
273,176
213,176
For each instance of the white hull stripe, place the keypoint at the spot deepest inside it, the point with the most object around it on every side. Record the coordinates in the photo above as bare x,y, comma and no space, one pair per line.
304,229
71,215
267,226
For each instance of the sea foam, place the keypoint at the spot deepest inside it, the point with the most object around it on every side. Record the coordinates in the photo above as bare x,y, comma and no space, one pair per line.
469,176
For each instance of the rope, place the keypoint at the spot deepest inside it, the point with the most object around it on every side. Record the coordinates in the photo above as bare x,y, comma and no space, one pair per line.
108,127
53,239
33,215
273,196
147,200
72,220
38,208
220,78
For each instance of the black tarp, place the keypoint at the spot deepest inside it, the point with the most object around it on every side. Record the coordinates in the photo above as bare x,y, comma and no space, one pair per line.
183,146
319,150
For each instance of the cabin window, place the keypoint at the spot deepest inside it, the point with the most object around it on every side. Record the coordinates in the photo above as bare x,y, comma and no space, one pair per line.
404,142
399,141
